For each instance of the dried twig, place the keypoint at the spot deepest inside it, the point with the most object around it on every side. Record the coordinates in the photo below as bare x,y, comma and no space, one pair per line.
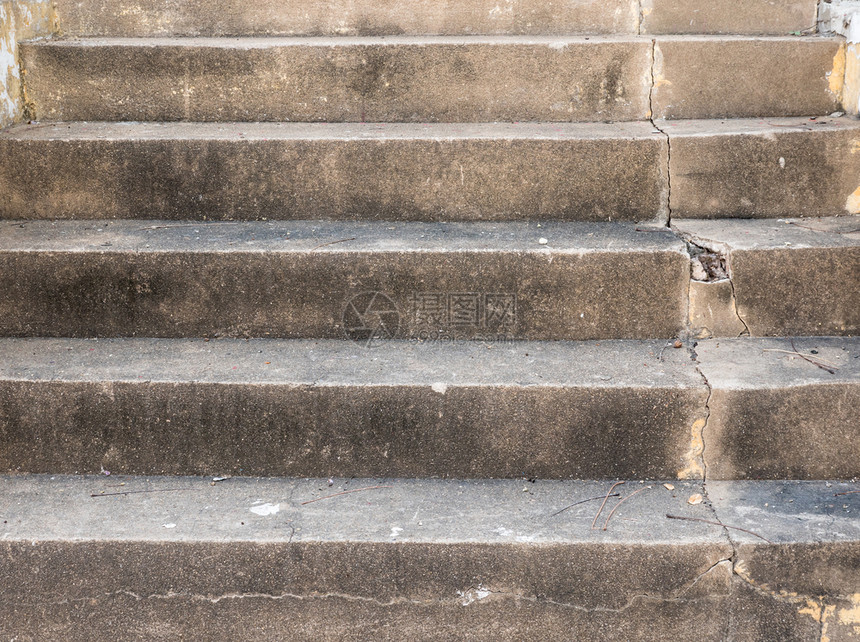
815,363
332,243
800,354
583,501
847,492
346,492
135,492
605,499
707,521
615,508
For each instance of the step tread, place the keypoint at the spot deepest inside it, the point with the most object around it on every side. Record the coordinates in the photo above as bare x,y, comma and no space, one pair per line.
265,42
728,364
86,131
44,508
336,237
787,234
607,364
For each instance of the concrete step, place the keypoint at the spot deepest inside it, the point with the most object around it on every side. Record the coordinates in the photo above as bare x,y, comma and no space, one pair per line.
745,167
297,279
777,277
432,79
754,168
744,408
143,18
245,559
352,171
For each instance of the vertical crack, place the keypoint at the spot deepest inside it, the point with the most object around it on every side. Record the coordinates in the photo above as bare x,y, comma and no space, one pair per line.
639,20
657,128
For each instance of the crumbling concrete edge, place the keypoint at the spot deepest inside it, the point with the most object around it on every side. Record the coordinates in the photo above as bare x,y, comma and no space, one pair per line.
20,20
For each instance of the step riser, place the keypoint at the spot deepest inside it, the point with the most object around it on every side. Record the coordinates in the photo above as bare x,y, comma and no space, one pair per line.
313,18
223,610
460,82
405,431
427,80
344,18
607,173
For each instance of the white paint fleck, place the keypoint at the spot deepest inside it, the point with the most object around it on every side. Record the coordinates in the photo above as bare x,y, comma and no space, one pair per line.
504,532
395,531
171,525
782,162
440,387
266,509
471,595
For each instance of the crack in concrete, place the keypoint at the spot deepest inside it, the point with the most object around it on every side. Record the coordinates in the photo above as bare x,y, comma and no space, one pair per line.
668,197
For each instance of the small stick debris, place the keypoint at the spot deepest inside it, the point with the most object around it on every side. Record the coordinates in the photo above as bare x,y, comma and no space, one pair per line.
582,501
707,521
800,354
332,243
615,508
847,492
605,499
816,363
345,492
135,492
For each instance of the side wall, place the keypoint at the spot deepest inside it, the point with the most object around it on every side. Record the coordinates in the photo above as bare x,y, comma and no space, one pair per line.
19,20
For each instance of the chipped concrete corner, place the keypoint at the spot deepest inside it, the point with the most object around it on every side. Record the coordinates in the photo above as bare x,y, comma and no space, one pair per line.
19,20
712,308
843,17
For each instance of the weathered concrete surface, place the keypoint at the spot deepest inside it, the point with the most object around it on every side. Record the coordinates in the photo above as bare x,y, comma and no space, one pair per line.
775,415
843,17
476,560
712,311
307,408
141,18
413,79
753,168
293,280
19,20
791,277
727,16
739,77
355,171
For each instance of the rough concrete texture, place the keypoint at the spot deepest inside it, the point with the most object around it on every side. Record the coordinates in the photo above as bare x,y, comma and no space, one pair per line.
354,171
775,414
752,168
248,559
712,311
790,276
339,408
295,279
780,17
19,20
141,18
739,77
413,79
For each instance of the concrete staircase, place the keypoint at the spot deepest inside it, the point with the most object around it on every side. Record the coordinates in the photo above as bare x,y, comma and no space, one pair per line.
479,320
